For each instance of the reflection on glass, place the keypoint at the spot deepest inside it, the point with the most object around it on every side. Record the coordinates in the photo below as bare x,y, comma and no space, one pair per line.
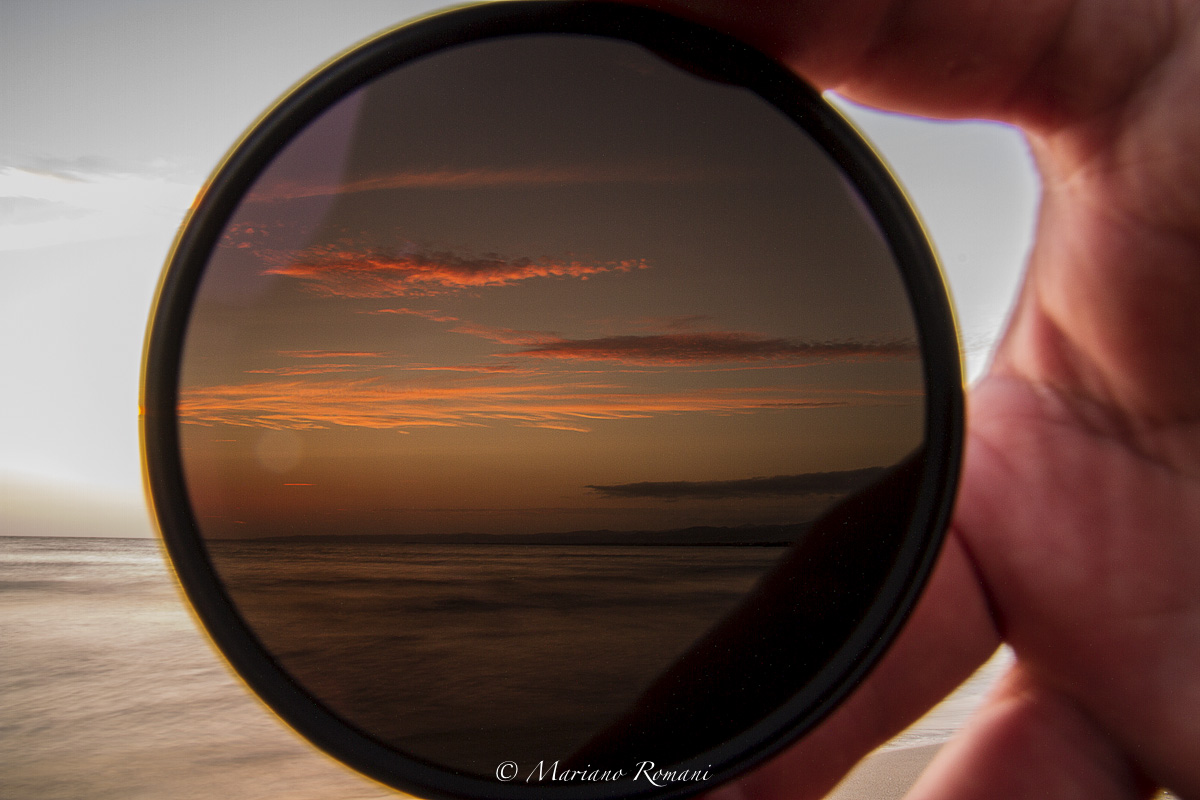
513,376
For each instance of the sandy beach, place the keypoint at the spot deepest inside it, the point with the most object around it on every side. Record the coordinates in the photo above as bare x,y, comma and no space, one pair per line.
889,774
885,774
109,690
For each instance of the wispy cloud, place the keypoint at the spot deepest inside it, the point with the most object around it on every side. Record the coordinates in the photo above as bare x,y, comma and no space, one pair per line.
315,369
376,403
483,369
432,316
21,210
694,348
329,354
808,483
349,361
334,271
489,177
54,202
510,336
679,323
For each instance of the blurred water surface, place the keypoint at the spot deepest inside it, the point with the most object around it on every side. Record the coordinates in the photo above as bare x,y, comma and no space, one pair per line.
109,690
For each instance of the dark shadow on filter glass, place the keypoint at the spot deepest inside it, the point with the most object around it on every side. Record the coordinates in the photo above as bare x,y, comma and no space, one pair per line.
786,630
547,401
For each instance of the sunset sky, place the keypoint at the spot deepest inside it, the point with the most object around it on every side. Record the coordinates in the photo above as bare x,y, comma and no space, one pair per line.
500,286
579,342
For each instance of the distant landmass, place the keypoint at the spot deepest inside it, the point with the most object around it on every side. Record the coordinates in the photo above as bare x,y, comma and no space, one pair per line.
708,535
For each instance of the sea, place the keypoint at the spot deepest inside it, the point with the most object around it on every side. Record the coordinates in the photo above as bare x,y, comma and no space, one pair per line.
109,689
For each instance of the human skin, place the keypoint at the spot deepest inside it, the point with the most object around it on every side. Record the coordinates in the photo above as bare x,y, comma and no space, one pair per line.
1076,536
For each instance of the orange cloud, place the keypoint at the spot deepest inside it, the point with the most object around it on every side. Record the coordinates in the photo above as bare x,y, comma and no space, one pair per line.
314,369
509,369
333,271
432,316
488,177
693,348
328,354
506,335
375,403
323,368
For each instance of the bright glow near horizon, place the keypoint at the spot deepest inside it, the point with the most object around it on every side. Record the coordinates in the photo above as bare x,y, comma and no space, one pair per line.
88,208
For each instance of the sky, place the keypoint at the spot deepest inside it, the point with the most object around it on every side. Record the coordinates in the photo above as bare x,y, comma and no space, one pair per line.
118,110
549,270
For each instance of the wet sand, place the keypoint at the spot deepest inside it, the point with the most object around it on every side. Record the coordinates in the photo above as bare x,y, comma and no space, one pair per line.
889,774
886,774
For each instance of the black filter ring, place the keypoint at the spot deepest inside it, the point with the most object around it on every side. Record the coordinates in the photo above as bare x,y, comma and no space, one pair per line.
713,55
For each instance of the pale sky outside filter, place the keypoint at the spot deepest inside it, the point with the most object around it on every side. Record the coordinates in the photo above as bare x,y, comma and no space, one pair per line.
106,145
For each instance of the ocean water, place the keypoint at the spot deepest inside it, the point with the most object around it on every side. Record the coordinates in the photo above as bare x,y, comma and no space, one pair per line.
108,689
470,655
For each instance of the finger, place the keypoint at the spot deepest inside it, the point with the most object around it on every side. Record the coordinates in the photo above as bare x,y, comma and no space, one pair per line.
948,636
1032,62
1028,741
